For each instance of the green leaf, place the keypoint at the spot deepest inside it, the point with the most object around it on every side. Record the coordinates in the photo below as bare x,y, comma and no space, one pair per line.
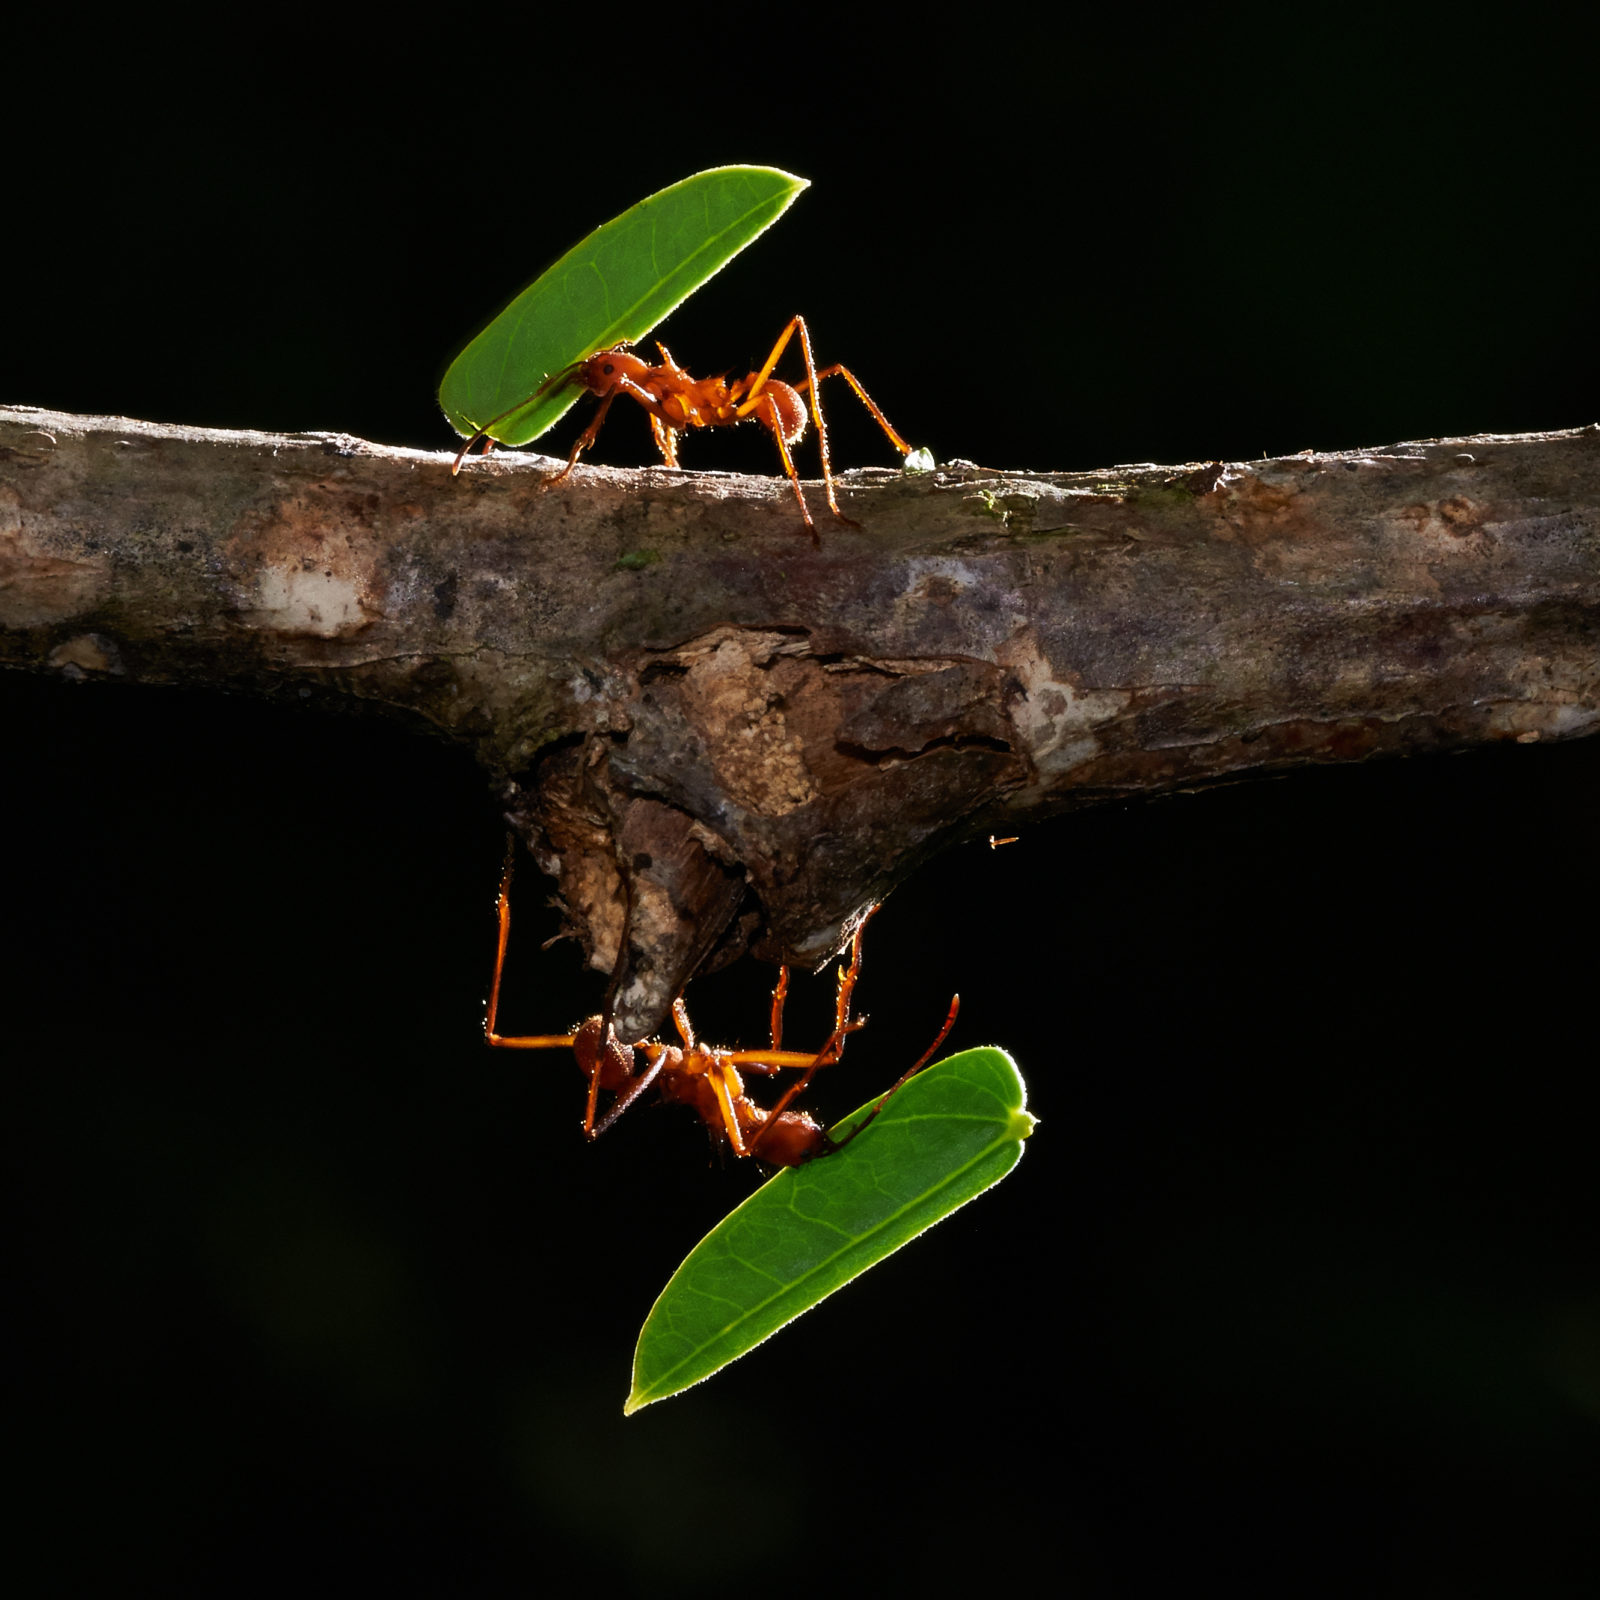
948,1135
612,288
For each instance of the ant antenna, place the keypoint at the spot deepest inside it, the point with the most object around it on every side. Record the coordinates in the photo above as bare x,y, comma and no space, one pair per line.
488,445
552,382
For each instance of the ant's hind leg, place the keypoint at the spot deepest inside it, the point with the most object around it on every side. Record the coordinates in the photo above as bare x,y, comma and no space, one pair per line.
809,388
774,423
866,400
761,403
810,385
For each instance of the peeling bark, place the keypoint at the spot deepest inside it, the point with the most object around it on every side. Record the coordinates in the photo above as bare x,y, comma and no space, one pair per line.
718,739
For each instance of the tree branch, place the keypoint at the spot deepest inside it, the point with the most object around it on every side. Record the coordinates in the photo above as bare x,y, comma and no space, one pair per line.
718,738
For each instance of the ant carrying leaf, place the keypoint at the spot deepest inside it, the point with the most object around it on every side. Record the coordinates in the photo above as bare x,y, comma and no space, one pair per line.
611,288
939,1137
677,402
706,1078
571,332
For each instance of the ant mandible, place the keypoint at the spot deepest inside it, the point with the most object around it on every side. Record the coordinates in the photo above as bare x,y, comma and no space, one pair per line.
707,1078
677,402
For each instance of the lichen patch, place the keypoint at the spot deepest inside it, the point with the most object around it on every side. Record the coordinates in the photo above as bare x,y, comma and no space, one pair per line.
320,602
1058,719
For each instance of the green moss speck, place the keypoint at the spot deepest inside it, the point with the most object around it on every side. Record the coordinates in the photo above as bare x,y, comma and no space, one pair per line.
637,560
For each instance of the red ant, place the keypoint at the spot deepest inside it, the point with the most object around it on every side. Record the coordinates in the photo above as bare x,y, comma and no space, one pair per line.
705,1077
676,402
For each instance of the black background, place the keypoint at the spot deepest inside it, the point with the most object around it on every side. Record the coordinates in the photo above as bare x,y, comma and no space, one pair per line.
1296,1284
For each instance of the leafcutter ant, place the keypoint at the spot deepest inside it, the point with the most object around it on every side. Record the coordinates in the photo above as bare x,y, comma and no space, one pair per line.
706,1078
677,402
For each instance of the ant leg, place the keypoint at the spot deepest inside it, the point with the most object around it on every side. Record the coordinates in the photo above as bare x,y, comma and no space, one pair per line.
836,1145
866,400
759,381
755,392
636,1087
850,976
774,1058
542,1041
797,324
816,416
723,1077
666,439
680,1020
780,993
775,427
502,907
661,425
584,440
843,1027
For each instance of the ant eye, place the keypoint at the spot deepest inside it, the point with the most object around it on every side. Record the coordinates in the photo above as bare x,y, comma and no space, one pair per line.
608,369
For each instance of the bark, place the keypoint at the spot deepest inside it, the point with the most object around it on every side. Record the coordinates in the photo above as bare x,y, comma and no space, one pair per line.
718,738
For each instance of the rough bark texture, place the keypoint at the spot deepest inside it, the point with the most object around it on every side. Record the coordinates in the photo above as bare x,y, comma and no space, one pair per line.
718,738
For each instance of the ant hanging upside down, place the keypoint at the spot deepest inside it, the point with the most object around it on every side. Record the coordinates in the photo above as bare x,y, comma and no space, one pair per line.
707,1078
677,402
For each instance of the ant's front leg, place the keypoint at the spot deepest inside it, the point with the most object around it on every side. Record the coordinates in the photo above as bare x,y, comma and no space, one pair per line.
866,399
634,1087
584,440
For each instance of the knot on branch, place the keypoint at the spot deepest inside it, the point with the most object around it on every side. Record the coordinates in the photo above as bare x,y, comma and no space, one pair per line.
751,794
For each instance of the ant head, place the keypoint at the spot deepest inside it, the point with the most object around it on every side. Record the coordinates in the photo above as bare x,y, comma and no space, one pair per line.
601,372
790,1140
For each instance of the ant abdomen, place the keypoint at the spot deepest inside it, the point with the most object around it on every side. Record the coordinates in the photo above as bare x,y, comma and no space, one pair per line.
791,410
